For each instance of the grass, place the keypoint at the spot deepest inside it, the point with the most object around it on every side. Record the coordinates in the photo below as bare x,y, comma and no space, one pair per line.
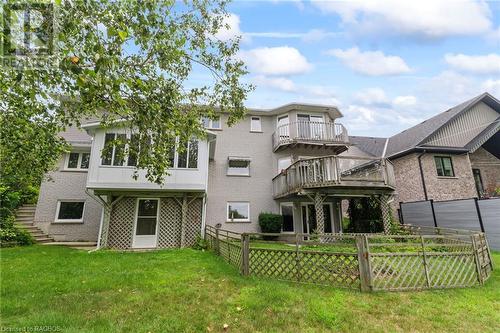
194,291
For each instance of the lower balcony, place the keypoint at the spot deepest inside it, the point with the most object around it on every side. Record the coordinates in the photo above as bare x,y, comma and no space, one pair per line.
337,175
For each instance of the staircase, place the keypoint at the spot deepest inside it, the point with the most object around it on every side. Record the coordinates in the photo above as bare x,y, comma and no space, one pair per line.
24,219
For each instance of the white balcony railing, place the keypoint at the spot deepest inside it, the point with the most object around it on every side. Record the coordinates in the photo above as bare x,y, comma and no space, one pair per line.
310,131
332,171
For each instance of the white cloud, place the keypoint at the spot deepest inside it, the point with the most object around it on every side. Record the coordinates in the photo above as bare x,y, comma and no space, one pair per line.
404,101
230,28
313,35
479,64
492,86
283,60
373,63
427,18
279,83
372,96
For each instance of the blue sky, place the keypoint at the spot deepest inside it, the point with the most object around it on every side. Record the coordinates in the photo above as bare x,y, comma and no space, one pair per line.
387,65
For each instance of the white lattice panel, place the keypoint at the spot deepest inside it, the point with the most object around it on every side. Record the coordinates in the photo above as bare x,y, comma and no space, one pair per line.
193,221
169,228
121,224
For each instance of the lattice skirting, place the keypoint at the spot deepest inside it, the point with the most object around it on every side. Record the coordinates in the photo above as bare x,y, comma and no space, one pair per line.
122,220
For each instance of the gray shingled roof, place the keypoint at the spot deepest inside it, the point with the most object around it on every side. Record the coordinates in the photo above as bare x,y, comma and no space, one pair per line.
74,135
370,145
413,136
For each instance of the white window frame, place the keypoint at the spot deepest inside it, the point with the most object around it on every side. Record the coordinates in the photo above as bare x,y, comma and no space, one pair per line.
79,163
158,207
176,156
255,130
125,158
237,220
58,220
289,204
238,159
211,123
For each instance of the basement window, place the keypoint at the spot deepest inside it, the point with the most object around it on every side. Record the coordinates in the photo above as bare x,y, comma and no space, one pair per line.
238,212
70,211
444,166
238,166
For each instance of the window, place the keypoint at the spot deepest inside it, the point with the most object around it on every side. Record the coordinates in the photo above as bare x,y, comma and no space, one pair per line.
211,123
444,166
479,182
287,213
188,158
78,161
255,124
147,215
284,163
238,166
70,211
282,127
116,155
238,212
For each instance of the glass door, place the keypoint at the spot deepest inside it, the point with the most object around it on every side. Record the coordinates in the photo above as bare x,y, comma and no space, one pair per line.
283,127
145,231
309,221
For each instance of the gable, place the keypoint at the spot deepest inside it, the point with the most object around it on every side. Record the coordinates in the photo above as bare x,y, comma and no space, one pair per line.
464,128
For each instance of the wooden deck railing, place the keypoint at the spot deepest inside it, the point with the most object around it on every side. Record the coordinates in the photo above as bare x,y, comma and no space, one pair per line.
310,131
334,170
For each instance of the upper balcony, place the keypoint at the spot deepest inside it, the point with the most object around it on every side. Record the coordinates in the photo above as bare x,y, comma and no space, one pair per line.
336,174
311,133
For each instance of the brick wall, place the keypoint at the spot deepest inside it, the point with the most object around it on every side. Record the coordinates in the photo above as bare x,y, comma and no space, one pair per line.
489,167
409,182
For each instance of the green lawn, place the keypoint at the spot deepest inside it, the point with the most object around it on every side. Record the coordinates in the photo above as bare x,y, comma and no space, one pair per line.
195,291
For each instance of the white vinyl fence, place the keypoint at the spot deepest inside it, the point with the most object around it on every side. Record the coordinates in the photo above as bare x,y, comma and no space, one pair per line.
470,214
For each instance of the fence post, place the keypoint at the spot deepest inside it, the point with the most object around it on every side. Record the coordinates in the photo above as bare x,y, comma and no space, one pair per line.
217,248
476,259
426,268
245,254
364,263
433,213
297,257
479,217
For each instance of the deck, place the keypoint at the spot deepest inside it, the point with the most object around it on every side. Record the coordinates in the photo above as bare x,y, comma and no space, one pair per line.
336,174
313,134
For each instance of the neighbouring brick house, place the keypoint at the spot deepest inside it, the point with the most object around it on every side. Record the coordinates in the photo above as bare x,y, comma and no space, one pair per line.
453,155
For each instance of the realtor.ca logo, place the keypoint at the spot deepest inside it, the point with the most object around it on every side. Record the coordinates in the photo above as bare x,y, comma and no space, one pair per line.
28,30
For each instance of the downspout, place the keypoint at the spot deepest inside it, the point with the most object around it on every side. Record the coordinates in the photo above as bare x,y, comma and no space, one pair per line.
422,174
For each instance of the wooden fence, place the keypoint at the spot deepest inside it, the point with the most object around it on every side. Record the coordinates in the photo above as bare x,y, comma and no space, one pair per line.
369,262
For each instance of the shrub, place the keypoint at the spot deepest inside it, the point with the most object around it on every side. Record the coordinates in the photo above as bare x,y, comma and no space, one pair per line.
10,199
10,234
29,195
200,244
270,223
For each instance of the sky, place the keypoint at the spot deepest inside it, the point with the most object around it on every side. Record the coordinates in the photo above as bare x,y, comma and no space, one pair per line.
387,65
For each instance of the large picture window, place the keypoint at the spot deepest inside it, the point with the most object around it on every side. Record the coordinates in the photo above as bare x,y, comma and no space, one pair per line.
238,212
121,154
70,211
444,166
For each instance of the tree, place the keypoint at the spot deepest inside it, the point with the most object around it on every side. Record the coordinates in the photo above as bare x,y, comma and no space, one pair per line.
129,60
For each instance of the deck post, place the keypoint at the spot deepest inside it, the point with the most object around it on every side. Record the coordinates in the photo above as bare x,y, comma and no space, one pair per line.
386,213
320,217
184,210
